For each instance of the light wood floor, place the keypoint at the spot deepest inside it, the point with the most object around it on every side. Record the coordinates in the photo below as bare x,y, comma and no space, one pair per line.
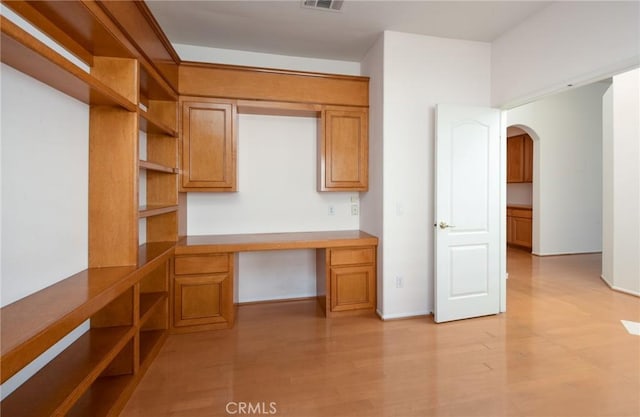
560,350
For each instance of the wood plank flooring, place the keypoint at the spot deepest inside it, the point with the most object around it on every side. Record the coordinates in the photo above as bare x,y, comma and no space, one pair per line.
560,350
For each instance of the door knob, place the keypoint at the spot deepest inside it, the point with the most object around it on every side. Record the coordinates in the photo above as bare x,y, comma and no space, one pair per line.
443,225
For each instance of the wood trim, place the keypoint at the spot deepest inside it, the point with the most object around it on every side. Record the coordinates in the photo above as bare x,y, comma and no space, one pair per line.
155,26
249,83
273,71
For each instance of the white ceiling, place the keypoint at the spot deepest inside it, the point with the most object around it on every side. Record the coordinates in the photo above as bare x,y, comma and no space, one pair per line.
284,27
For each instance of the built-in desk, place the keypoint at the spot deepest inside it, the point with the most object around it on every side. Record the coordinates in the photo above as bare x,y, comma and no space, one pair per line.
205,268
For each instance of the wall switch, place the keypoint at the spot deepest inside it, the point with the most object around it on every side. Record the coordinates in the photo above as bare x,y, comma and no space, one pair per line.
399,282
355,210
332,211
355,199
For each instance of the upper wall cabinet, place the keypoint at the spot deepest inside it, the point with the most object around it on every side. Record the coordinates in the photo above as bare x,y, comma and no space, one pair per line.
343,149
209,125
208,145
519,159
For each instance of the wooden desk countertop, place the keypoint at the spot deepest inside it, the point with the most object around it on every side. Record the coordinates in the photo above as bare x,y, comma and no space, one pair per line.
191,245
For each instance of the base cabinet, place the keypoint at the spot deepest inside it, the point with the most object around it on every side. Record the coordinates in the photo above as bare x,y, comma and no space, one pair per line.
519,227
346,280
203,292
352,288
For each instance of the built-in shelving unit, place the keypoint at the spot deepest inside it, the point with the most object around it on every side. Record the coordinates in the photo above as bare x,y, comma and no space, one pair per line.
124,294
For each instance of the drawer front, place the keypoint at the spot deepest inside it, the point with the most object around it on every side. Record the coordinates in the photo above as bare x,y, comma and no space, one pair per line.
523,213
187,265
352,256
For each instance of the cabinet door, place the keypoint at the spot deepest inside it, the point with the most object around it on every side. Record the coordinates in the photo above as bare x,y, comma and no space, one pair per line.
208,146
515,163
352,288
344,150
204,300
528,159
509,228
521,231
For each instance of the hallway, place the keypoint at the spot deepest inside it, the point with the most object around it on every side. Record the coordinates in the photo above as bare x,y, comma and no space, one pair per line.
560,350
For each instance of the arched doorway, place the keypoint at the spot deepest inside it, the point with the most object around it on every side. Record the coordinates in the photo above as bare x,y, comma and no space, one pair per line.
522,195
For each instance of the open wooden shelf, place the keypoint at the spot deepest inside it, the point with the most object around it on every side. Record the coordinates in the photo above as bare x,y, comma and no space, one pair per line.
152,166
148,302
102,398
150,343
25,53
156,210
33,324
151,124
53,390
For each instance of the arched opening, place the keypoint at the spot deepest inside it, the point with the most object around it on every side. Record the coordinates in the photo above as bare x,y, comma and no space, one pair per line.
522,197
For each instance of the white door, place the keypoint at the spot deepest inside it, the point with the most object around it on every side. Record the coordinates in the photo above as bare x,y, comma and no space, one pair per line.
467,213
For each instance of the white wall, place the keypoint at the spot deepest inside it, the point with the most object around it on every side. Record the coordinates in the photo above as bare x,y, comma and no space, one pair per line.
371,202
621,160
568,42
276,193
44,185
567,195
419,72
44,194
263,60
520,193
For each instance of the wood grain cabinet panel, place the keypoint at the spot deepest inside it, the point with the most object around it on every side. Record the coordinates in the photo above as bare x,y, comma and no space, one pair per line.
208,146
520,159
203,292
201,300
343,150
520,227
352,287
528,159
346,279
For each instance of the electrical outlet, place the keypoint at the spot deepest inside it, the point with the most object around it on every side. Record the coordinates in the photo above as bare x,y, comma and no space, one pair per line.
399,282
355,210
332,211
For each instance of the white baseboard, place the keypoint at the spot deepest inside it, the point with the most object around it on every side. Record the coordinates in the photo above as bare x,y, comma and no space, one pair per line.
402,315
623,290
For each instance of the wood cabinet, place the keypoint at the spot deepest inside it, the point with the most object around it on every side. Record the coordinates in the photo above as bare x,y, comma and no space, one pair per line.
520,159
519,227
346,280
343,149
203,292
208,145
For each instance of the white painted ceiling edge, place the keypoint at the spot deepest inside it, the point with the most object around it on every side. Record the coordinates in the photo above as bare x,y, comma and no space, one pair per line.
287,28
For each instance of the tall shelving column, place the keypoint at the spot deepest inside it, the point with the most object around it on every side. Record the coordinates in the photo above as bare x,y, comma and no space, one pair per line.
113,176
159,170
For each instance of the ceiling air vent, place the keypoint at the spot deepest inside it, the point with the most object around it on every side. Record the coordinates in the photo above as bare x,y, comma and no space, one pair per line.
330,5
